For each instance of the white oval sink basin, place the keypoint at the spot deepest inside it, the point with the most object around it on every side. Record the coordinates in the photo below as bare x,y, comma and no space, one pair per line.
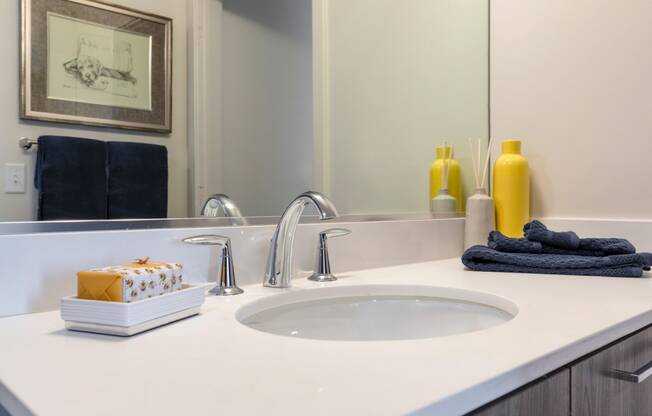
376,312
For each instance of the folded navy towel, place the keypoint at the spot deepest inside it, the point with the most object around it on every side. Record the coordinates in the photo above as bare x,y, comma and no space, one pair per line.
481,258
138,180
536,231
538,239
500,242
71,179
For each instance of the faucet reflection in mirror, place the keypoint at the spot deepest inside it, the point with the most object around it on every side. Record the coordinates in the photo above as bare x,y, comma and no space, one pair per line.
221,202
279,263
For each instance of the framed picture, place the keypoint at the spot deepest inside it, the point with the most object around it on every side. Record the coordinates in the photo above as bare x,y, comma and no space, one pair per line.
93,63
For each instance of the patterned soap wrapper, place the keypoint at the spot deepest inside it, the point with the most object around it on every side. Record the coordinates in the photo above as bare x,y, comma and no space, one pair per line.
144,279
170,277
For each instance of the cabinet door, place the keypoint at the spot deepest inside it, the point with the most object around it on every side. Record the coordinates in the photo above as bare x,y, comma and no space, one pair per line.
598,387
547,397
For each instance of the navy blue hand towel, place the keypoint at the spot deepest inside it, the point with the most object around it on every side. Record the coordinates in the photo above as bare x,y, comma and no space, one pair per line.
481,258
500,242
71,178
138,180
536,231
558,243
568,240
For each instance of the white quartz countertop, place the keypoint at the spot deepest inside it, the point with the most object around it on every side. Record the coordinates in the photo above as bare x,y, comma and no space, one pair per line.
213,365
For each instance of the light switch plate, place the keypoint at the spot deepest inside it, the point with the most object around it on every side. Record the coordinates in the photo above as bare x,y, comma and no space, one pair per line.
15,178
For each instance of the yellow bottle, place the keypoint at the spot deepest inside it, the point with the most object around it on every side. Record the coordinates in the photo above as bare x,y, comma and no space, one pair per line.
454,177
511,190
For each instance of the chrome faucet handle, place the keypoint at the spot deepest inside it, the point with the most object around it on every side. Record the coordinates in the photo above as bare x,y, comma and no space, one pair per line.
323,268
227,285
335,232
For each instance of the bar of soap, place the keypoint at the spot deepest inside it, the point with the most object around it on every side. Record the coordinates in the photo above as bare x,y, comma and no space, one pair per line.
129,282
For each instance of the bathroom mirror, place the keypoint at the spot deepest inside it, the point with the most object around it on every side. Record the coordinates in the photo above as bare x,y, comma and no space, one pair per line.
271,98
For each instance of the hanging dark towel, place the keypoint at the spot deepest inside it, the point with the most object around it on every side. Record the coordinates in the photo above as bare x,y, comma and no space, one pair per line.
138,180
71,178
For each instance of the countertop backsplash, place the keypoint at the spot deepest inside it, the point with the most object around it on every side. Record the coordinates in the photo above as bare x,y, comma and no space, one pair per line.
37,270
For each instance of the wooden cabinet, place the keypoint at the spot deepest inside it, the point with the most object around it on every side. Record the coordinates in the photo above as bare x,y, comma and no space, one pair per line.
592,386
545,397
596,389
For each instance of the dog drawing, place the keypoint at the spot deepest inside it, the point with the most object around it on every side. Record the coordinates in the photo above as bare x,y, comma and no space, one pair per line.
88,69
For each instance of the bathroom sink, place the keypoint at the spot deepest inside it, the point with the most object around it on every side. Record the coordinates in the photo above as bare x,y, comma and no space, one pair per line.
376,312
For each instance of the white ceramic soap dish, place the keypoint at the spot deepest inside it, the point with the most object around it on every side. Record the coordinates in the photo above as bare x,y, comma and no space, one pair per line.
126,319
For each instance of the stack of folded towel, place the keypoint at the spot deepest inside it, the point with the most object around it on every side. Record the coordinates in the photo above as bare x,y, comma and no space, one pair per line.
550,252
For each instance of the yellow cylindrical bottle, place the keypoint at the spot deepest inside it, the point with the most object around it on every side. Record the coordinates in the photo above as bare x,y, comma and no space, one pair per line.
511,190
454,177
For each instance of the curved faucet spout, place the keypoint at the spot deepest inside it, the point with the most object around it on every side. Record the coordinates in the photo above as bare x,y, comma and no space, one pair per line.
279,262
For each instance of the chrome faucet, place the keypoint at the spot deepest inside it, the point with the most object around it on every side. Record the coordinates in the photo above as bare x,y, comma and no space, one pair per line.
229,209
279,262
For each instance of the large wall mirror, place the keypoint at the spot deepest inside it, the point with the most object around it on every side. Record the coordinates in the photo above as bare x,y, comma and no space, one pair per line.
269,98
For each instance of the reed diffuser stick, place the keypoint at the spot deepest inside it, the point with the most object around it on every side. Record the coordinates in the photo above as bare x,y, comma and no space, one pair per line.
444,173
477,185
486,163
475,162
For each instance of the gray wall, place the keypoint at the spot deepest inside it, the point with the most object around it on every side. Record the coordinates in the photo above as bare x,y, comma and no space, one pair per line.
572,80
267,129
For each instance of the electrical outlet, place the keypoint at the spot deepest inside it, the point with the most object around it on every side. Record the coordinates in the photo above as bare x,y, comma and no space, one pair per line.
15,178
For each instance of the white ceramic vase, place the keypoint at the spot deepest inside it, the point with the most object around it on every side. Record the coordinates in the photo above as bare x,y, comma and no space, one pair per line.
480,218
